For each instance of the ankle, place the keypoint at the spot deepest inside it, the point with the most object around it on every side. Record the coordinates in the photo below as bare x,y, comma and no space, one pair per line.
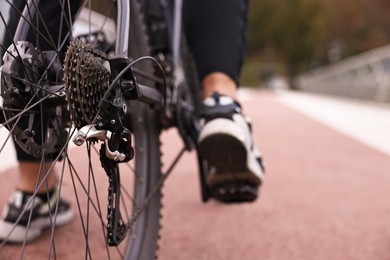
221,83
33,174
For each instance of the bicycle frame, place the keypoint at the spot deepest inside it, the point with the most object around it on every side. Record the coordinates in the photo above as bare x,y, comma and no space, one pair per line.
173,15
173,102
123,23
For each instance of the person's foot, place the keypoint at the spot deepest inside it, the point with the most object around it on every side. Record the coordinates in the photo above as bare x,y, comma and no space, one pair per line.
226,143
15,226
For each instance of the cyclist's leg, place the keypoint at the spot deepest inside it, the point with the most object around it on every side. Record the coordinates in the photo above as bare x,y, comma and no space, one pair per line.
31,173
219,82
49,11
31,170
217,40
217,37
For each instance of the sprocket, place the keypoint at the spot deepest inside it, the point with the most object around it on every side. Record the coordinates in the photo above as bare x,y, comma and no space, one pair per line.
86,80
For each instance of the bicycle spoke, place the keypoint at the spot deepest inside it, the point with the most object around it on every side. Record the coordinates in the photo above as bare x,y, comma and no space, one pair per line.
88,194
52,244
34,28
100,214
74,173
71,171
43,109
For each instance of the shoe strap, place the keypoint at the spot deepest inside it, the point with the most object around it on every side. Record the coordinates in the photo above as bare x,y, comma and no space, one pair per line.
219,106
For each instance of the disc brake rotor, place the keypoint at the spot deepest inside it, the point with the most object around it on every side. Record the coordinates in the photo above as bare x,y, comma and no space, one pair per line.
32,105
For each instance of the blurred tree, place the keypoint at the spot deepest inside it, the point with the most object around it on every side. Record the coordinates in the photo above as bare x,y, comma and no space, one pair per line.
379,11
299,33
287,28
352,23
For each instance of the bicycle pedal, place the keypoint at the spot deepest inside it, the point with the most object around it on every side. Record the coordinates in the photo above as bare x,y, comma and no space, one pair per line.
235,192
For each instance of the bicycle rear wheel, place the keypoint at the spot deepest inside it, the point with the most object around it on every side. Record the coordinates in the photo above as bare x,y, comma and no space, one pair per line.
33,113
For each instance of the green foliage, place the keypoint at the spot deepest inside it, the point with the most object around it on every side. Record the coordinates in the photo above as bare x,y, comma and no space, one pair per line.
299,33
286,28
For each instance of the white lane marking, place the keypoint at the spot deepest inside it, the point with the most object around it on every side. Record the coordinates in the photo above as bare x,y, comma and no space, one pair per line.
367,122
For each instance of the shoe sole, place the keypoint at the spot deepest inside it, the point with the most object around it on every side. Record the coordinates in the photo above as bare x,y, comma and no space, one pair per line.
229,157
18,234
235,192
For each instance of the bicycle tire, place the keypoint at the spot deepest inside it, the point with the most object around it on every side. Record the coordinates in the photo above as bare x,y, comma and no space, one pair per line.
147,246
147,169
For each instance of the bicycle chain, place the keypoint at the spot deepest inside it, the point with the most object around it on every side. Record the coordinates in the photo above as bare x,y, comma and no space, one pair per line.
116,227
86,80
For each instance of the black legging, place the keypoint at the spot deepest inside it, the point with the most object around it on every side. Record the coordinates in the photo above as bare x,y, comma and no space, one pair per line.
215,30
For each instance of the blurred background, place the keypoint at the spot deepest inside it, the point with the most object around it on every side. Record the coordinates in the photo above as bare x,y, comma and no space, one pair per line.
287,39
326,194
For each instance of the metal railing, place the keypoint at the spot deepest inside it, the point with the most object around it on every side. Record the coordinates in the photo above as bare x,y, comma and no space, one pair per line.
364,76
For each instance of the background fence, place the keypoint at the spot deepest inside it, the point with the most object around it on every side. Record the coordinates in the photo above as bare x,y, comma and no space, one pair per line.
364,76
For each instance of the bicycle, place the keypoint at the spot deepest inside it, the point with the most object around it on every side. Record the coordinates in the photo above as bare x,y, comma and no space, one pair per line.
116,92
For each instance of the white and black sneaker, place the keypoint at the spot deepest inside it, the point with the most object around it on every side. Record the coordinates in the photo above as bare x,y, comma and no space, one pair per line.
226,143
25,216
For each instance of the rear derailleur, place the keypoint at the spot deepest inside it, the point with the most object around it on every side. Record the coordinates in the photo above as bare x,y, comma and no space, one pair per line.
98,105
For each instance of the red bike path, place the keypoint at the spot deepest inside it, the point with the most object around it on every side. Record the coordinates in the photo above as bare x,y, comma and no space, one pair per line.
325,196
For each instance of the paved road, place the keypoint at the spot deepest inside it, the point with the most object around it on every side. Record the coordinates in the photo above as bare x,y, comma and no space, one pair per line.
326,194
